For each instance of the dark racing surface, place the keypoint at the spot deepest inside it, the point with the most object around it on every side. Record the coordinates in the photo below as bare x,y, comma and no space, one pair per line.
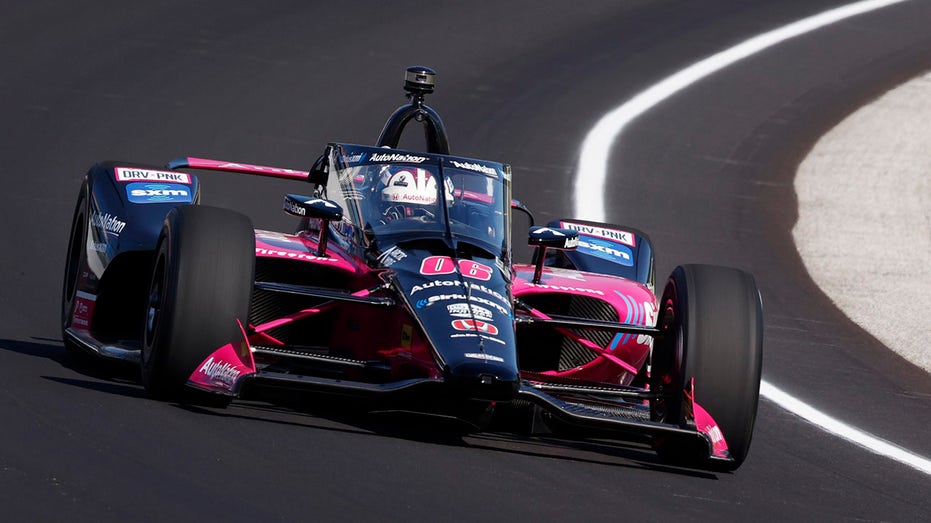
708,175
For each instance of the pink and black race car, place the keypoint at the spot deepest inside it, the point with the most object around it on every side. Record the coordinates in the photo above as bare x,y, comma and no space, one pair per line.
399,286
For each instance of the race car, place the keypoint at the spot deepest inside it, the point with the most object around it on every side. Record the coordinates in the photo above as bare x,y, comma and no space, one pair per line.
398,287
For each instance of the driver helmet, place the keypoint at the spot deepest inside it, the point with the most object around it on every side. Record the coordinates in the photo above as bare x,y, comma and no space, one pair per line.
409,192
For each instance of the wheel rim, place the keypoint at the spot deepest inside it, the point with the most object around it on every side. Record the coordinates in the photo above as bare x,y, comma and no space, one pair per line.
668,374
153,308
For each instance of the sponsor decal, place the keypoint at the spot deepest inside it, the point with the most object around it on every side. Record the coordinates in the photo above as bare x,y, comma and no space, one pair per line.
477,167
435,265
392,256
649,319
567,289
83,310
468,310
220,372
407,335
456,283
99,246
426,302
715,434
437,283
395,158
474,325
483,301
131,174
158,193
413,198
108,222
353,194
354,158
483,356
570,243
607,250
260,251
637,314
294,208
627,238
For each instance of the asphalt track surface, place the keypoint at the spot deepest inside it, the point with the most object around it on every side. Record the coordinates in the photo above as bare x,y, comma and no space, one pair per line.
708,173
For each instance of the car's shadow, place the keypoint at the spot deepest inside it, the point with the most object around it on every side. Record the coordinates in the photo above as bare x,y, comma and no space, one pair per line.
41,348
334,413
109,377
352,416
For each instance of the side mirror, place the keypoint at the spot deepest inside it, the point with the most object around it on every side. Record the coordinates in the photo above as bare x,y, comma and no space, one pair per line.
553,238
309,207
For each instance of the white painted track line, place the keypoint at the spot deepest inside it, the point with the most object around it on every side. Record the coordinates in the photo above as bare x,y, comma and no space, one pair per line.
593,163
839,428
593,168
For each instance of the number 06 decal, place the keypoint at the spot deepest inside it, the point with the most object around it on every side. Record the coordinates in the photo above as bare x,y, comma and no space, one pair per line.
433,265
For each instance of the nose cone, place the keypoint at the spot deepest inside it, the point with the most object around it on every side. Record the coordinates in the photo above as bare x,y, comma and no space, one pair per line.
483,379
464,308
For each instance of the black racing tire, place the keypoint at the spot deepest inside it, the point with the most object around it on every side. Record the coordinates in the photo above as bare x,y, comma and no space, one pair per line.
713,320
77,241
202,280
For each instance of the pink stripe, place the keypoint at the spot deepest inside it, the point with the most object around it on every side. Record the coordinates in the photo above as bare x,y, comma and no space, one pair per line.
300,315
306,313
246,168
601,351
708,426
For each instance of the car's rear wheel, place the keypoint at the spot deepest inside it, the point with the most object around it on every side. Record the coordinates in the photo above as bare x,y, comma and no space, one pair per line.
73,265
713,320
201,285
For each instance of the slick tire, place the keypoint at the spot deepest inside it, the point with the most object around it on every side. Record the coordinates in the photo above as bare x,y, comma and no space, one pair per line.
74,263
714,320
201,284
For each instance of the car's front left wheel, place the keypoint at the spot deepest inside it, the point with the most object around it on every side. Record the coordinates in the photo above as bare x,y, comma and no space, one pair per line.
199,293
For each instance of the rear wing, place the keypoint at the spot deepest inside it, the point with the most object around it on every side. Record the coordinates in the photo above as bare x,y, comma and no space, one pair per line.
234,167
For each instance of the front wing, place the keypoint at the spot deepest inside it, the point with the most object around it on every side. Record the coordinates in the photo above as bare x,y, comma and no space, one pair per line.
613,412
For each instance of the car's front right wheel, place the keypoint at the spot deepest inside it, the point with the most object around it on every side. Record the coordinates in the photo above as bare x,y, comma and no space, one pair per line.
712,353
